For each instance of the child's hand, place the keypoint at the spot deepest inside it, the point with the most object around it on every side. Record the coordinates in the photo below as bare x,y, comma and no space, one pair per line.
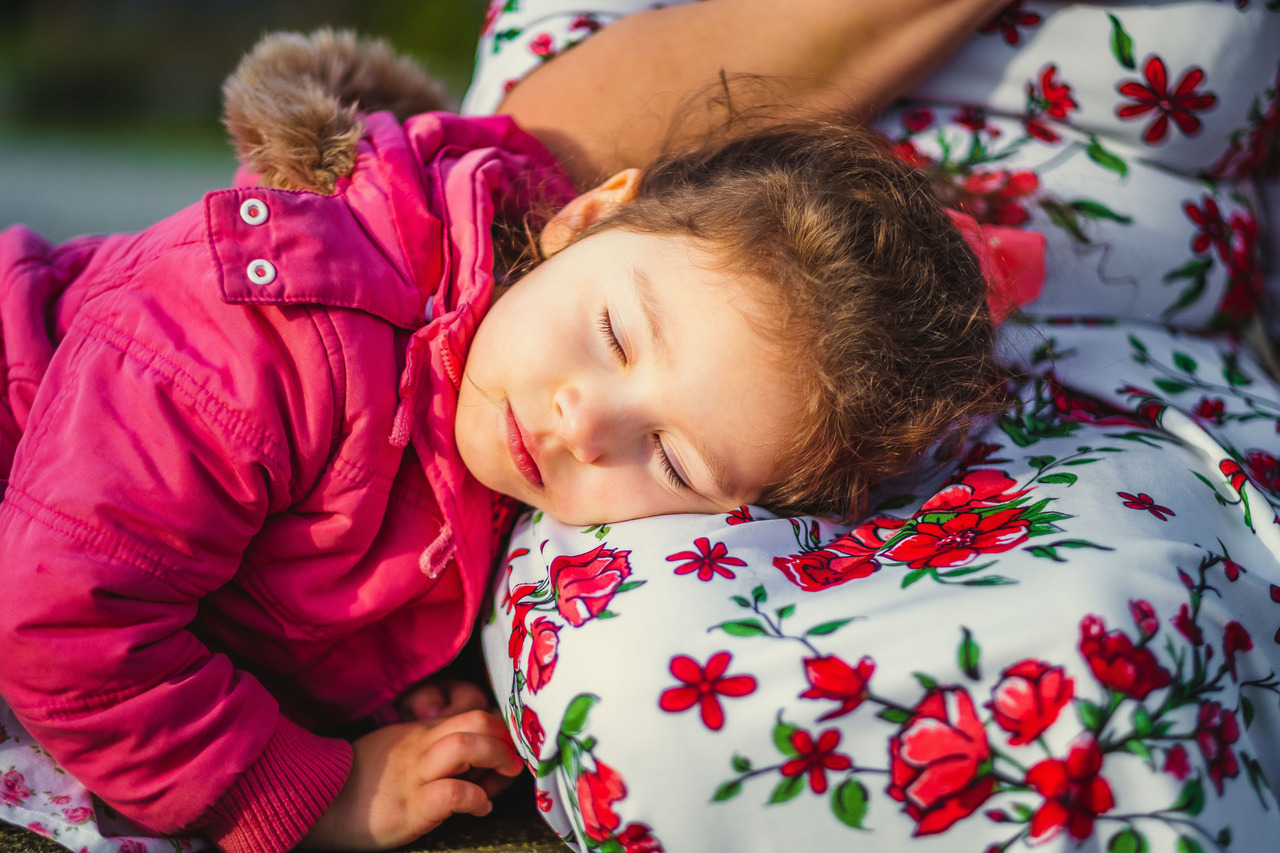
445,697
404,783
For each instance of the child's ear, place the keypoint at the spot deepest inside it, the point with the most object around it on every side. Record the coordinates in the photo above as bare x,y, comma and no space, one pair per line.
587,209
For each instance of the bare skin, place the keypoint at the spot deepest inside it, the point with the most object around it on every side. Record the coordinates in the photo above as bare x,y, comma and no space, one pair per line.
607,104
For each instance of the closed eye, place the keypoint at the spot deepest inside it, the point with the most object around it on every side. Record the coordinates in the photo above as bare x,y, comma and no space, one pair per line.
667,467
610,338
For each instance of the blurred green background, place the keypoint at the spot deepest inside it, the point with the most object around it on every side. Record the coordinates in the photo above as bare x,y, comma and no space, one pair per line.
109,109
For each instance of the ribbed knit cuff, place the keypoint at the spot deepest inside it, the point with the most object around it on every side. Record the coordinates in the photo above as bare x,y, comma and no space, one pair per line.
276,801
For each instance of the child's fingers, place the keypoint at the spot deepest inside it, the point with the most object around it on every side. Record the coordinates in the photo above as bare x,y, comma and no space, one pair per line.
474,739
442,698
444,797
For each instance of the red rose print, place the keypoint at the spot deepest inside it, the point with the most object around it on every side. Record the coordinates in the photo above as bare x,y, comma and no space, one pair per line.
1180,105
831,678
1144,616
975,489
1216,730
521,608
1235,639
1028,699
587,22
1177,764
1187,627
543,653
995,197
531,731
1081,408
40,829
1146,502
939,761
959,539
542,800
638,838
57,799
704,687
845,558
708,561
1074,794
1264,469
13,788
542,46
1234,473
78,814
585,583
131,845
910,154
1117,663
816,757
1210,410
598,790
1007,21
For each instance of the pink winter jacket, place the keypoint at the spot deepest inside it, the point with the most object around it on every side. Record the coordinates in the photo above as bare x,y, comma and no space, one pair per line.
236,510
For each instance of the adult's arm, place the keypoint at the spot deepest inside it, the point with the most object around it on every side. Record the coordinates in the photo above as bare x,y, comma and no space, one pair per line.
607,103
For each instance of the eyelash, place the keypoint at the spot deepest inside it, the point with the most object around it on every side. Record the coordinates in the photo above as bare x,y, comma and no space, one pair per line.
667,467
606,329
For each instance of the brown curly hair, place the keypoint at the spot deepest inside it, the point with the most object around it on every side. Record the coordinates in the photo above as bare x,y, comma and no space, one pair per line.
881,304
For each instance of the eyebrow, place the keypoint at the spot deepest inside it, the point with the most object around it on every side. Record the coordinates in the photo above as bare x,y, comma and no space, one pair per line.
653,316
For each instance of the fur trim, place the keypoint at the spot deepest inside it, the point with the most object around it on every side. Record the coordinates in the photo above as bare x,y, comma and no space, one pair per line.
294,103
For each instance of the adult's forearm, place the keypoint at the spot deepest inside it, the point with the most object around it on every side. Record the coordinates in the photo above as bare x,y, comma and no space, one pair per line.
608,103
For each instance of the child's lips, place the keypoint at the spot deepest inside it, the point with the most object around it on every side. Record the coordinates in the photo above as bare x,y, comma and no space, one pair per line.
519,449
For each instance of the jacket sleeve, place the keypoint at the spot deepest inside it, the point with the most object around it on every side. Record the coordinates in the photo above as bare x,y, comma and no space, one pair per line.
142,476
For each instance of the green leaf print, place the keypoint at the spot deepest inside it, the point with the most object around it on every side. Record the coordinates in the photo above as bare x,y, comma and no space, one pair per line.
1128,841
1121,44
1105,158
969,656
849,803
575,717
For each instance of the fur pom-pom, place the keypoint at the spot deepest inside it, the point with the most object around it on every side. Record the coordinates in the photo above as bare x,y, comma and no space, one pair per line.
294,103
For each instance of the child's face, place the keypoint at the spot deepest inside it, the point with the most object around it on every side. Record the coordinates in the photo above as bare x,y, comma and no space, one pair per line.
617,351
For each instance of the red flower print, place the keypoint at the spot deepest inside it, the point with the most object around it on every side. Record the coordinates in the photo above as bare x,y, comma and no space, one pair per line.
973,118
845,558
638,838
1177,764
1180,105
58,799
1007,21
598,790
1234,474
1028,699
1216,730
975,489
917,119
13,788
939,761
131,845
1074,794
1187,627
542,800
816,757
910,154
704,687
1211,227
708,561
1244,269
1116,663
543,653
1081,408
586,22
1050,98
531,731
1232,569
1210,410
585,583
1146,502
1264,469
542,46
520,608
995,198
1144,616
959,539
40,829
78,814
741,515
1235,639
491,13
831,678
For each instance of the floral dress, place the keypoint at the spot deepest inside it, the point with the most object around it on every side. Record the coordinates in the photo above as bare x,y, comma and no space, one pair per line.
1067,639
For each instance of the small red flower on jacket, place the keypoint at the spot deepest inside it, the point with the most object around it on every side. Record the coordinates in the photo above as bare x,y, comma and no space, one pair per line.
598,790
816,757
1028,699
708,561
1074,792
1216,730
831,678
585,583
1117,663
1235,639
1146,502
1007,21
1180,104
940,761
544,651
960,539
704,687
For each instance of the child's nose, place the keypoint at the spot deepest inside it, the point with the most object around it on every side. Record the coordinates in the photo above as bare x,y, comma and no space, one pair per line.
588,424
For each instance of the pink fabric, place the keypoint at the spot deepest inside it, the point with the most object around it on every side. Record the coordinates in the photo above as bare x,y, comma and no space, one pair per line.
211,531
1012,262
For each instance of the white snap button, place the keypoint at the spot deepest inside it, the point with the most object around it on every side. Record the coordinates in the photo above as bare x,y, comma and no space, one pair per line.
262,272
254,211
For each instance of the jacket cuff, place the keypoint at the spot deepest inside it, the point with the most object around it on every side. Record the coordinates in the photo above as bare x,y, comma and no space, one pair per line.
281,796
